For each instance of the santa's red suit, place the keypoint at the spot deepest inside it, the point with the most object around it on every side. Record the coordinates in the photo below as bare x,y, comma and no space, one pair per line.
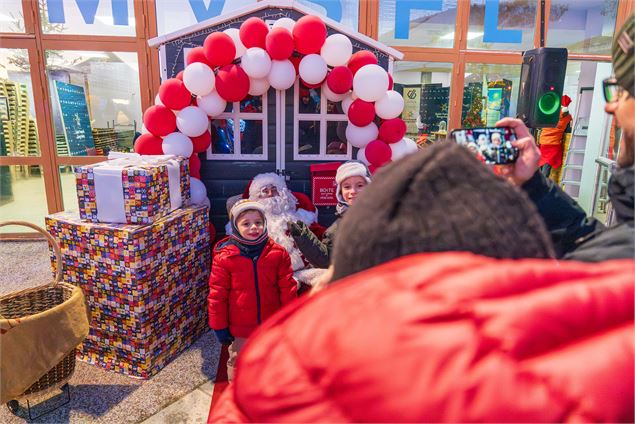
286,206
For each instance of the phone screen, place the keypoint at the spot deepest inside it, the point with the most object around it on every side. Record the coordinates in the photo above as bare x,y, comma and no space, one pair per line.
490,145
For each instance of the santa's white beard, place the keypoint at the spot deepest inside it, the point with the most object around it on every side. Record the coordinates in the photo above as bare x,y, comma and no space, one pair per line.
282,203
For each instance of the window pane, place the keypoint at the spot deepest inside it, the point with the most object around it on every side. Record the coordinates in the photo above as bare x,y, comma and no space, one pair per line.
425,87
251,140
345,12
96,101
403,24
173,15
22,196
69,188
18,128
11,16
490,93
309,99
510,25
309,137
222,136
334,108
251,104
105,17
336,138
582,26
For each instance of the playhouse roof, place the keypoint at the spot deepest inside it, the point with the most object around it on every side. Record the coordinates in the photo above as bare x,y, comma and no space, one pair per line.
281,4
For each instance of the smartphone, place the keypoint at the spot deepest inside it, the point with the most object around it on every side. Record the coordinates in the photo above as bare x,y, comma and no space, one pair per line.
490,145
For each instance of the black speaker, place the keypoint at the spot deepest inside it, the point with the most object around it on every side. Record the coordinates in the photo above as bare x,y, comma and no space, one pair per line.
541,84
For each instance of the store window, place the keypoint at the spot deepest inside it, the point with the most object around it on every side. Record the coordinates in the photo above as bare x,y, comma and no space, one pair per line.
502,24
490,93
22,196
403,23
345,12
425,87
18,132
241,131
95,101
582,26
11,16
81,17
69,188
319,126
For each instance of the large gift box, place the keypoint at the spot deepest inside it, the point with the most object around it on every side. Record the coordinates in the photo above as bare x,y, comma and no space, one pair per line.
146,286
130,188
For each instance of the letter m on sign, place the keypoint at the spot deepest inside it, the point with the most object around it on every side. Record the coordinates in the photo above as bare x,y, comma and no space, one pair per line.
88,9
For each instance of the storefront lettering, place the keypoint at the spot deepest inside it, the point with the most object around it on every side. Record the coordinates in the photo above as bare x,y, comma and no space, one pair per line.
491,32
88,9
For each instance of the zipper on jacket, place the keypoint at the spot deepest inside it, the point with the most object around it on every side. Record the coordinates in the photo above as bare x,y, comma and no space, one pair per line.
255,260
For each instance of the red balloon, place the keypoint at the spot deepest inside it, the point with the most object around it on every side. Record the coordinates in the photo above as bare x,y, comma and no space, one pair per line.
309,34
174,95
202,142
279,44
253,32
195,166
390,81
197,54
295,60
372,169
378,153
159,120
359,59
392,130
179,75
232,83
148,144
219,49
361,113
307,85
340,80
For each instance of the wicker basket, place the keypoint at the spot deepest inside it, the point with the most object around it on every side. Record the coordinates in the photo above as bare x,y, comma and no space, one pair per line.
39,299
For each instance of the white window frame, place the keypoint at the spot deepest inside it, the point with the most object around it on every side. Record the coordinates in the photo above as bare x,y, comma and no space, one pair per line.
236,115
323,117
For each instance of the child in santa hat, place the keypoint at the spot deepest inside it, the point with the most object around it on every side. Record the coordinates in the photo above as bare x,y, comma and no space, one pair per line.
251,279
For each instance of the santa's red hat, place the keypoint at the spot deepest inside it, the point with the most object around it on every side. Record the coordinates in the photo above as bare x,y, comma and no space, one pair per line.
566,101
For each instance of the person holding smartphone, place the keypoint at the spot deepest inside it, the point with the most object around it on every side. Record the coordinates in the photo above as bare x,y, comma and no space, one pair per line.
575,235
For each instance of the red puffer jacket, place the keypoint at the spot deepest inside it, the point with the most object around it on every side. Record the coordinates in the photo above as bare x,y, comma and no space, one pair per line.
447,337
242,292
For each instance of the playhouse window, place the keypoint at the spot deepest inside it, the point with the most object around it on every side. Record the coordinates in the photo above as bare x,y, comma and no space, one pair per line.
240,131
319,127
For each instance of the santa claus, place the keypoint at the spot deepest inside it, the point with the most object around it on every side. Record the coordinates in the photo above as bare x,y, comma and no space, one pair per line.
282,206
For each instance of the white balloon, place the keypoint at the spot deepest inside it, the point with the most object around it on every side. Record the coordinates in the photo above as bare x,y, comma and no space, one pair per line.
336,50
313,68
361,156
370,83
399,149
360,136
199,78
334,97
256,63
177,144
192,121
390,105
240,47
157,100
258,86
347,101
212,104
287,23
411,144
282,74
198,192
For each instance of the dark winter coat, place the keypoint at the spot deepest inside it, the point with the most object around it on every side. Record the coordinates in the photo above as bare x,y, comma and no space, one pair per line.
578,237
244,292
317,252
450,337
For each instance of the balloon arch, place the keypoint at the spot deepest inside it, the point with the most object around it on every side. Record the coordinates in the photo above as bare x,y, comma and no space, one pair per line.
247,61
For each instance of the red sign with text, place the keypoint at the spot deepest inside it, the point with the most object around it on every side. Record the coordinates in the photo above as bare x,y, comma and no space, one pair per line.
323,183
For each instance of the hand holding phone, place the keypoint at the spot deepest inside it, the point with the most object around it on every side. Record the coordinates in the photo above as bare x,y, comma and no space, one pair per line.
492,145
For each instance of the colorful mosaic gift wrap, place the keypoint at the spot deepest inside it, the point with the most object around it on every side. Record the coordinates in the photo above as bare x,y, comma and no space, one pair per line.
146,285
145,189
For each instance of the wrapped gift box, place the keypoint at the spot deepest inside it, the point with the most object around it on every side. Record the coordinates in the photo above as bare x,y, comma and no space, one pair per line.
146,286
133,189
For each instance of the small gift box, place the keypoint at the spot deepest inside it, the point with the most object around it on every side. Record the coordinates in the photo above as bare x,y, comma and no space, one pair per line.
133,189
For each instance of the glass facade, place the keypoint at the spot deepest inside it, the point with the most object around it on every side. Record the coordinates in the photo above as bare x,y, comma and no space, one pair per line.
105,17
22,196
504,25
95,100
11,16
